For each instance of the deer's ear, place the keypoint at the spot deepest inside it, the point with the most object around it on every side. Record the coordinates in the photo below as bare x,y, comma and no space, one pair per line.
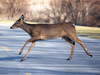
22,17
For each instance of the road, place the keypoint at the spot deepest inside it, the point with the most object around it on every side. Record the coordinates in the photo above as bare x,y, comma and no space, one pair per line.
47,57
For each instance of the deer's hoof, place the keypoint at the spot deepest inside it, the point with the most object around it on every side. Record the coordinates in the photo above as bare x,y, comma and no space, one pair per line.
69,58
22,59
19,53
90,55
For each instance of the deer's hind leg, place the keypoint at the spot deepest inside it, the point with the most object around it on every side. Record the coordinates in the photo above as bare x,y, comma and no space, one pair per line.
75,38
67,39
81,43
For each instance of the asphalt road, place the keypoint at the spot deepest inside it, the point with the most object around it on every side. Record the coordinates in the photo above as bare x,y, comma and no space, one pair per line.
47,57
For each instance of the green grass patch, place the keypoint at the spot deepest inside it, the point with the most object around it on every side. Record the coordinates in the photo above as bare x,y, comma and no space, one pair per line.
92,32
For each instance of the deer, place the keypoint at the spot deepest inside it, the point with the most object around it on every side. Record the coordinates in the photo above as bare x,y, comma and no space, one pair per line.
38,32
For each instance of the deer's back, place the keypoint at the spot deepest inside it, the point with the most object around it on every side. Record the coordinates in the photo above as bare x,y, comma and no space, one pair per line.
46,31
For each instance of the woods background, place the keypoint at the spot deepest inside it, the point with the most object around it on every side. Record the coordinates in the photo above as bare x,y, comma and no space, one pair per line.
81,12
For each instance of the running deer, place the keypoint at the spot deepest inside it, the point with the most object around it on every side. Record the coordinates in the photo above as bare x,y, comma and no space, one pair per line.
47,31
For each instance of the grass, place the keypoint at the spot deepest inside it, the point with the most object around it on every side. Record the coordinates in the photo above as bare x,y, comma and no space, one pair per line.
92,32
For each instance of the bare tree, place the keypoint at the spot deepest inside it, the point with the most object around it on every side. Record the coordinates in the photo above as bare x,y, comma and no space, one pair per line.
12,8
82,12
94,14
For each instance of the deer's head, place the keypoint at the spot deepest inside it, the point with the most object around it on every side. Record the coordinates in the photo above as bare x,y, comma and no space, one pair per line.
18,23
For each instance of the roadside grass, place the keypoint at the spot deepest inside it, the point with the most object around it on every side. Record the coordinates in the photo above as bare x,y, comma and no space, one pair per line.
92,32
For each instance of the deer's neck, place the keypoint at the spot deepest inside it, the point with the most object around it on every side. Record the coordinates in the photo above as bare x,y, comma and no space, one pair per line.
26,27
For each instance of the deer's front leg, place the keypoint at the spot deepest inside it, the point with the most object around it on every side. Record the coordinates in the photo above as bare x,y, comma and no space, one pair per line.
24,47
33,44
33,40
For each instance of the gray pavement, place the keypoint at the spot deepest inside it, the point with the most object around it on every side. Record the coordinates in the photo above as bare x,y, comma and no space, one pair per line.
47,57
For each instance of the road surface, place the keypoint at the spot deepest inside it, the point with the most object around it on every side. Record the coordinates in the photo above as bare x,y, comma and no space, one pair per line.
47,57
